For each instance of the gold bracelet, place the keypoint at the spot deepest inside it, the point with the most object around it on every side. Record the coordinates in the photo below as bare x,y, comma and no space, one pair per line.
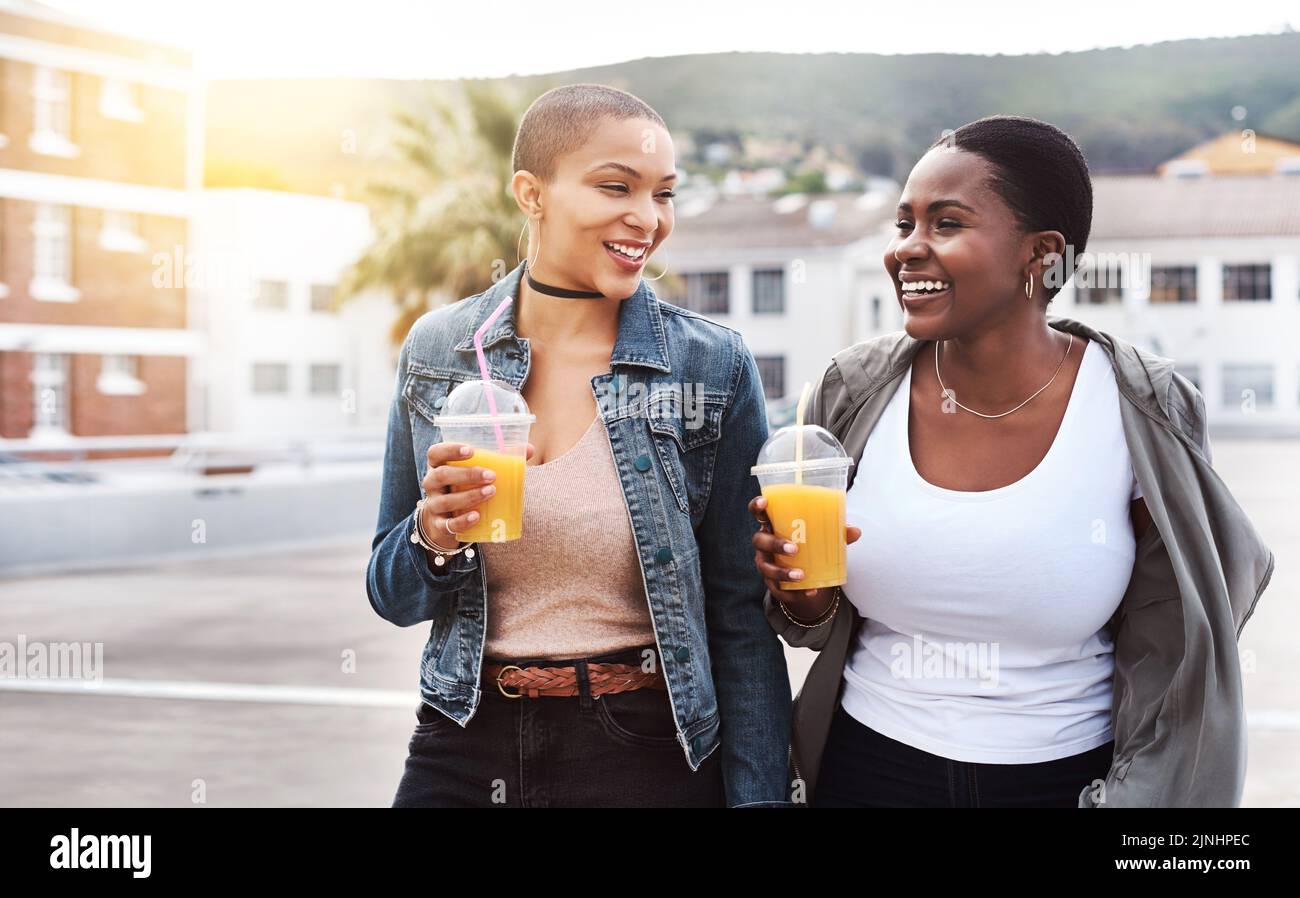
826,615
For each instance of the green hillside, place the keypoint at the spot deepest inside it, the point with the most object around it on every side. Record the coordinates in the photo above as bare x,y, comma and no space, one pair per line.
1128,108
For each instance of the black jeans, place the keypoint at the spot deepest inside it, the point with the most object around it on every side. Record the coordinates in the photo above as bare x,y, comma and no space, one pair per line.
865,769
613,750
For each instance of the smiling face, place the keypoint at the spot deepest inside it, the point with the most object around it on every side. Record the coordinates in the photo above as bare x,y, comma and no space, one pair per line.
606,210
959,257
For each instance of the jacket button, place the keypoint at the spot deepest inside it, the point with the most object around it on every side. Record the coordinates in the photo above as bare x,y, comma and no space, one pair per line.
642,463
664,555
683,653
437,403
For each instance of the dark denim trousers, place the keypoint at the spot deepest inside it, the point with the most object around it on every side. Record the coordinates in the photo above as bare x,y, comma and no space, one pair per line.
612,750
865,769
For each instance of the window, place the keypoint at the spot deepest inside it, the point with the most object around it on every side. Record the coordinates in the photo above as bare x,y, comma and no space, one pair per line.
1243,383
50,391
52,113
270,378
325,379
769,291
272,295
771,370
121,232
52,254
119,375
1173,284
707,292
120,100
1099,296
1247,283
322,297
1098,280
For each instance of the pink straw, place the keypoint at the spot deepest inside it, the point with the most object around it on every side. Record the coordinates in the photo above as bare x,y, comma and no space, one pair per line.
483,368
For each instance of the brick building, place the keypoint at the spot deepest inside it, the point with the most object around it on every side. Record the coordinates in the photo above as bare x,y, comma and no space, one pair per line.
100,164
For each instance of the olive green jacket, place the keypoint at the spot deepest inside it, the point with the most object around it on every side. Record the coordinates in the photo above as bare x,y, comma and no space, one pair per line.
1177,714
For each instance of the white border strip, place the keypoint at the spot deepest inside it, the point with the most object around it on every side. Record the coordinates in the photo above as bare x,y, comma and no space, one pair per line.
39,187
218,692
96,62
101,340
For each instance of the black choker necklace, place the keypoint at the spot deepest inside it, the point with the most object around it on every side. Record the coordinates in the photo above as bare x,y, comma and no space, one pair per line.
559,291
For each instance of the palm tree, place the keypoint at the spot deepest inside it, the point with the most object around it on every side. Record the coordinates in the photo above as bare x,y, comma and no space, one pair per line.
450,226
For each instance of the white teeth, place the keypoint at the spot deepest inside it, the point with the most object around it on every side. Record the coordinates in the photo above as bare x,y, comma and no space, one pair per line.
924,286
632,252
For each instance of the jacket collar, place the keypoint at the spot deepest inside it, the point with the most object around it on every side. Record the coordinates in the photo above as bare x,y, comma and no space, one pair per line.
640,341
1143,376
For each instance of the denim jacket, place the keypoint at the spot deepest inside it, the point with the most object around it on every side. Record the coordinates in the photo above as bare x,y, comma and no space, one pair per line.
1177,709
683,409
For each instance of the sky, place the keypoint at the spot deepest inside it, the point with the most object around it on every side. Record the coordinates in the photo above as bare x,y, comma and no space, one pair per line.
493,38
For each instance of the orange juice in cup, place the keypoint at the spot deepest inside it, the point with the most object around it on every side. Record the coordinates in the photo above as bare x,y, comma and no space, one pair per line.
493,418
803,473
501,517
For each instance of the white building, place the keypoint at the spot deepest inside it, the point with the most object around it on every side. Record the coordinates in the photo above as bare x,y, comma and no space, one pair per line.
800,277
1209,269
281,358
1223,293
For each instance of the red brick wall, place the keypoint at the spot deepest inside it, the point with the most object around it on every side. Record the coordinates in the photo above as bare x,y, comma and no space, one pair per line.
116,288
159,409
151,151
15,394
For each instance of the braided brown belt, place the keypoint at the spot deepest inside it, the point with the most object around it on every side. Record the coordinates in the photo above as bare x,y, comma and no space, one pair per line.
559,681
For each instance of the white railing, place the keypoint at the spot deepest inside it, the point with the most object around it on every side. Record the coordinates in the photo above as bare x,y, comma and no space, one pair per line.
196,451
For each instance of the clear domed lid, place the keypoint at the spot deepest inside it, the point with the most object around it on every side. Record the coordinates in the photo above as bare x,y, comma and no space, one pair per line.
474,402
780,454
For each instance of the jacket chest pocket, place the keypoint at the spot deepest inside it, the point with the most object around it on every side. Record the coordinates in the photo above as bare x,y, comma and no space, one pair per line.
425,395
687,444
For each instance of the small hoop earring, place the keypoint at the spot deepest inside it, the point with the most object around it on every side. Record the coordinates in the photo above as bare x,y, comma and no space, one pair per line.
1029,287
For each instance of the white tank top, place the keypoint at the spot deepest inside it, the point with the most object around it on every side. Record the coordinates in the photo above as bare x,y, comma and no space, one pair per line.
984,635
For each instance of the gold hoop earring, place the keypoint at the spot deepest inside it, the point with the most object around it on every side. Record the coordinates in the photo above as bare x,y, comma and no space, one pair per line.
1029,287
518,255
531,262
661,274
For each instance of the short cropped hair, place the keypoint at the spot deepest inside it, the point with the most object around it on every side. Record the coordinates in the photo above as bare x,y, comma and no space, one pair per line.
563,119
1039,171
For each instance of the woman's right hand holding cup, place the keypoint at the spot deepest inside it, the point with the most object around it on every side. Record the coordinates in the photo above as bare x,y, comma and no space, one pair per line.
447,512
805,604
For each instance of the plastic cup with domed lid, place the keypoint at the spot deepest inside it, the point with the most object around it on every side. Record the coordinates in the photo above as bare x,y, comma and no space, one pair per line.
491,417
803,472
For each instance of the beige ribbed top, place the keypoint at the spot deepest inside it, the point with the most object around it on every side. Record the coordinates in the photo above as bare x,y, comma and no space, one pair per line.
571,585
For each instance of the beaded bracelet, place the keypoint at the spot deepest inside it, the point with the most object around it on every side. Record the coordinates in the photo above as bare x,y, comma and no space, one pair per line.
441,554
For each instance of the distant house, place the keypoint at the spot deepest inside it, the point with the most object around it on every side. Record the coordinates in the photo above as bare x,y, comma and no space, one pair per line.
1236,153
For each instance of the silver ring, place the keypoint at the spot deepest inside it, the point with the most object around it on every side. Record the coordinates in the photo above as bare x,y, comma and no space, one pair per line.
446,525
